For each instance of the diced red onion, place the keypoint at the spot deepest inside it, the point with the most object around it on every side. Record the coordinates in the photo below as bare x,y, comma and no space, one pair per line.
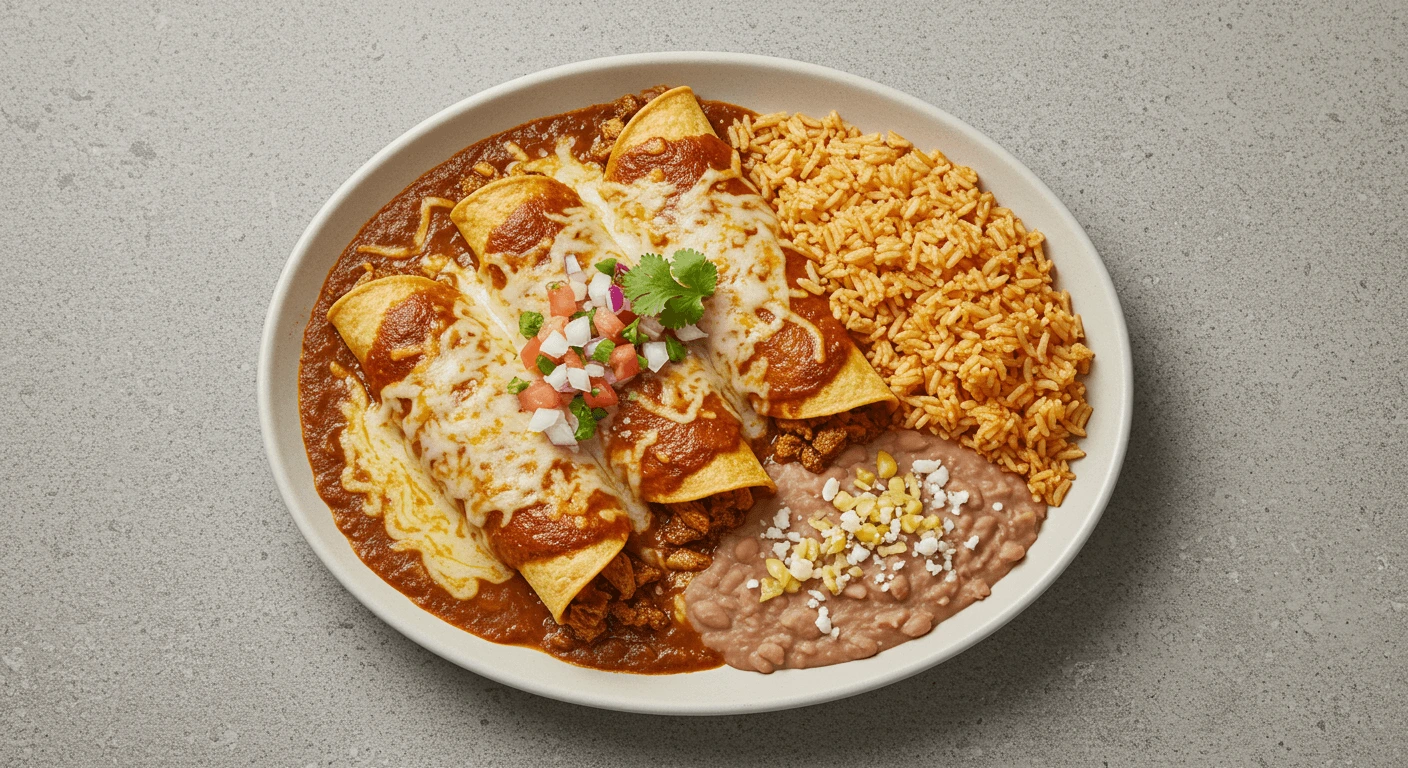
616,299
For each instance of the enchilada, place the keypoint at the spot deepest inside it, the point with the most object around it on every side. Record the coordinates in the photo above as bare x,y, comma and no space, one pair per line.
672,183
551,514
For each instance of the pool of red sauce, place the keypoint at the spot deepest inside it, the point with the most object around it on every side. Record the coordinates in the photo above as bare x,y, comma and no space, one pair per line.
504,613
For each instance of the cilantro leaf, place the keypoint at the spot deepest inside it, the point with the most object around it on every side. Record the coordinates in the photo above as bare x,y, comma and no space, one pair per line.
675,349
694,271
673,290
529,323
648,284
607,267
586,419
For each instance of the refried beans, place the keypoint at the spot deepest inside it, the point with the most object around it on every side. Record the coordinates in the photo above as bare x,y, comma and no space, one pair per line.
890,599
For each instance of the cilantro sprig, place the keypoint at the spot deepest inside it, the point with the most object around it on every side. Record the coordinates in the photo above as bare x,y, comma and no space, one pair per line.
676,349
673,289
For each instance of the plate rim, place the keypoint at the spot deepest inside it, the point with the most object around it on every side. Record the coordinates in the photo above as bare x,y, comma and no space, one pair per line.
1123,410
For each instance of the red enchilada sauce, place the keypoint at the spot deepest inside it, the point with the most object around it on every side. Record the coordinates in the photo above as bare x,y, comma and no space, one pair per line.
510,612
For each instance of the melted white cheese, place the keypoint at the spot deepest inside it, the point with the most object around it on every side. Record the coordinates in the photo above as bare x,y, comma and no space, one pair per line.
472,438
379,467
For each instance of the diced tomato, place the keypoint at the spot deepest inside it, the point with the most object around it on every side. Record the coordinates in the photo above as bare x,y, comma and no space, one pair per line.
624,363
572,360
561,301
626,316
551,324
605,396
530,354
539,394
608,324
565,398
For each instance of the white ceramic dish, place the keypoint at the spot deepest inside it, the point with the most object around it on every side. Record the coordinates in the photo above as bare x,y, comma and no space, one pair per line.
763,84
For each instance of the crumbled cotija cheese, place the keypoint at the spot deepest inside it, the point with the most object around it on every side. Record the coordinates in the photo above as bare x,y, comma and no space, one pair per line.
884,517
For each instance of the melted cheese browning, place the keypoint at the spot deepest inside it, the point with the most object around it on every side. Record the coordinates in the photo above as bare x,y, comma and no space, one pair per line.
682,393
418,517
473,439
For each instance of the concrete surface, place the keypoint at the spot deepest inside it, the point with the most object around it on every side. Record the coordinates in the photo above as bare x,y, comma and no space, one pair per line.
1241,168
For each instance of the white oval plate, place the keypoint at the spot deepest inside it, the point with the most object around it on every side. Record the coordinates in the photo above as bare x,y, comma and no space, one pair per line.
765,85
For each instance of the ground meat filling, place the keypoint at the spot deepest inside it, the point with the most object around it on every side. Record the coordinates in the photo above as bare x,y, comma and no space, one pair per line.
626,107
616,594
817,442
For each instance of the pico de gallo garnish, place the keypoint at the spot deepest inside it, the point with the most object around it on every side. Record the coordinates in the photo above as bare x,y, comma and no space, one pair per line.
606,324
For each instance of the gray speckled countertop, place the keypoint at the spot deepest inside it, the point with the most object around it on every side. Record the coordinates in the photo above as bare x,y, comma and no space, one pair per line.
1240,167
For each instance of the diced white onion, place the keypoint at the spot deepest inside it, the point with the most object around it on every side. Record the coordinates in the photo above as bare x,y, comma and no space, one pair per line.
590,347
558,378
544,418
577,378
578,283
561,434
571,265
578,332
652,327
587,306
689,333
555,345
599,287
595,370
656,355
